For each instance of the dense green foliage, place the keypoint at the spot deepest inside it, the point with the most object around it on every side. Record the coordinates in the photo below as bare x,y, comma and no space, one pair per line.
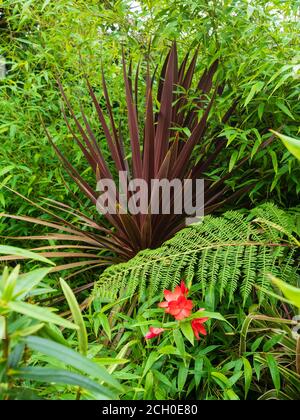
94,346
40,40
19,321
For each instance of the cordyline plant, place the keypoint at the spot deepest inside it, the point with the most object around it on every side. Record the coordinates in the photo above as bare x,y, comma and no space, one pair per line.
164,150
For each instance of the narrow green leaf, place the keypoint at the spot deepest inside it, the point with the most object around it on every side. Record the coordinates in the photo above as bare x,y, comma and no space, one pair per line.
10,283
61,376
186,131
207,314
153,357
182,376
274,160
274,395
148,385
272,342
247,375
105,324
163,378
3,278
11,250
2,327
254,89
121,354
207,350
234,378
110,361
260,110
198,372
16,355
77,317
71,358
187,331
53,333
46,2
232,396
290,292
275,374
284,109
6,169
221,379
168,350
28,281
257,367
42,314
256,344
233,160
293,145
179,342
33,329
255,147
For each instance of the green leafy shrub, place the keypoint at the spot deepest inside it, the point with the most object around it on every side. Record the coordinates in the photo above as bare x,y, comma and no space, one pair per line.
250,356
28,333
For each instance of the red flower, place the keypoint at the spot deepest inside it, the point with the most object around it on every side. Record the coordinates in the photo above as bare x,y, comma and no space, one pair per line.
153,332
179,291
180,308
198,327
183,288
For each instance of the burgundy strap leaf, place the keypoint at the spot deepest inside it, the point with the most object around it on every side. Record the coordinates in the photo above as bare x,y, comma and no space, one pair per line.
117,139
185,154
101,164
185,84
165,114
88,156
136,87
205,83
181,71
112,146
149,134
133,128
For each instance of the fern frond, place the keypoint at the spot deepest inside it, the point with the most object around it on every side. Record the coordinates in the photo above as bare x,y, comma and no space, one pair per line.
225,255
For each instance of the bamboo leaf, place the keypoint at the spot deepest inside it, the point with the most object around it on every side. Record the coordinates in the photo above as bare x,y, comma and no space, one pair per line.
293,145
284,109
71,358
275,374
182,376
77,317
247,375
254,89
2,327
290,292
28,281
233,160
61,376
179,342
12,250
42,314
105,324
9,285
187,331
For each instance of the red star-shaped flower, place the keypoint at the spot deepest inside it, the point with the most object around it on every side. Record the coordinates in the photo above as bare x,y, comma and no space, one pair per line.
198,327
179,291
180,308
153,332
